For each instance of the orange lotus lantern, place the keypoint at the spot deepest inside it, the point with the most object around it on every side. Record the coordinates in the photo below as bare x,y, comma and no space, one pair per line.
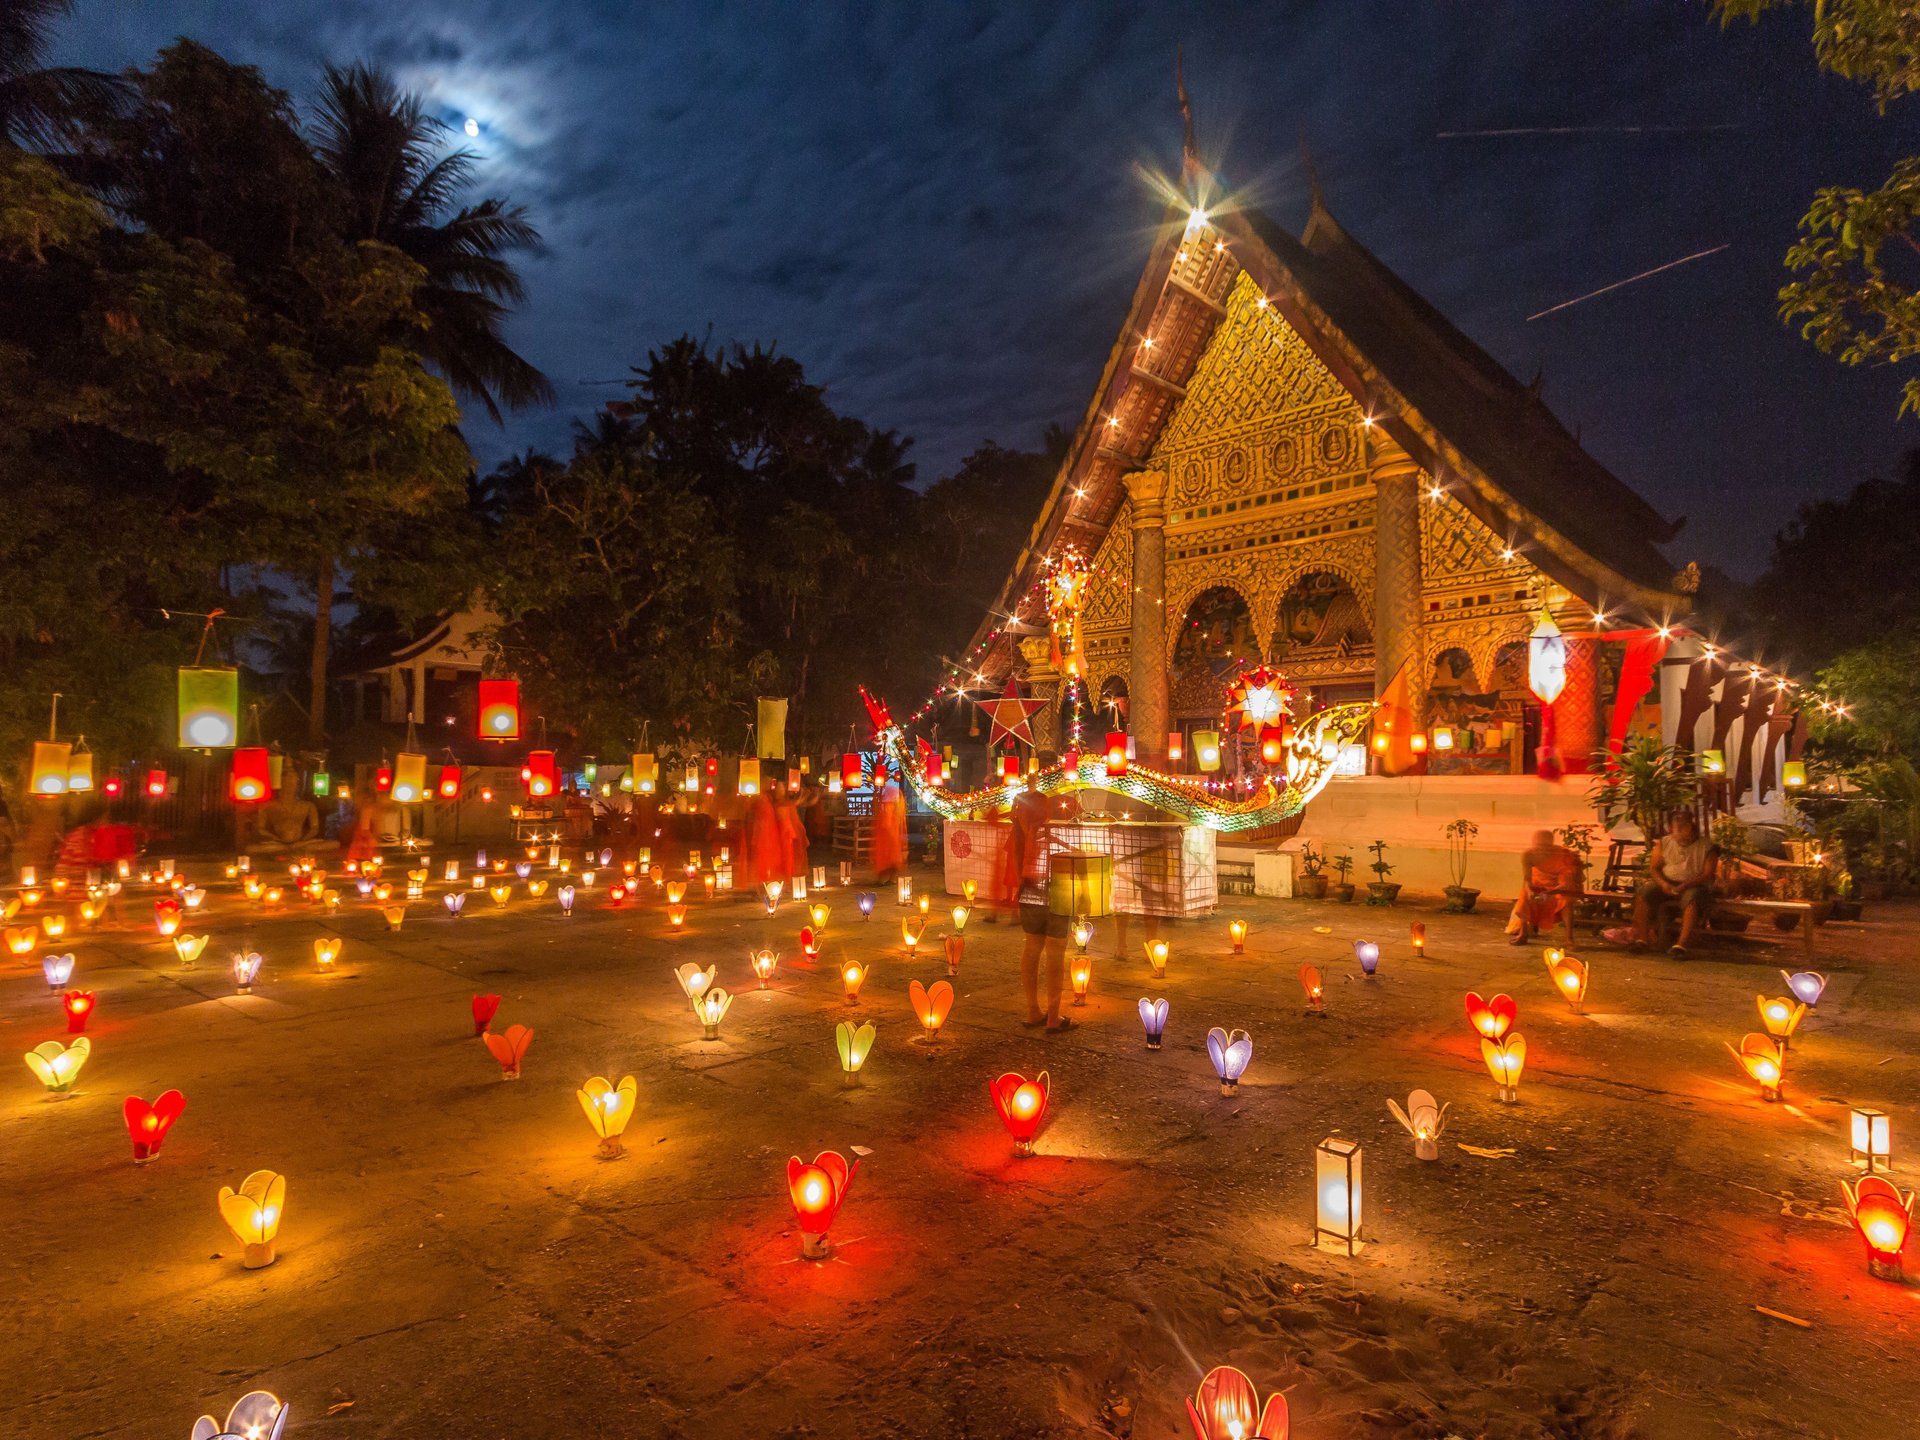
956,948
1022,1104
676,917
1157,953
1227,1407
53,925
1765,1060
817,1191
1312,982
1781,1017
1491,1018
1080,974
851,975
676,891
931,1007
509,1049
485,1007
148,1124
910,933
1505,1060
1569,974
166,917
1882,1216
22,939
1237,936
326,950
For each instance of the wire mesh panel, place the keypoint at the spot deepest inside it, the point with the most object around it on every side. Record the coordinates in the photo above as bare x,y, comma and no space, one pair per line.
1159,868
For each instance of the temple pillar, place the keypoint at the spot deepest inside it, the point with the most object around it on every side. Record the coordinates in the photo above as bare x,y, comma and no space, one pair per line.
1147,677
1043,683
1576,714
1397,590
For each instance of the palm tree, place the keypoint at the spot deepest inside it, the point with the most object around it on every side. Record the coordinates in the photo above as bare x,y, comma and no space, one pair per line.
38,104
397,186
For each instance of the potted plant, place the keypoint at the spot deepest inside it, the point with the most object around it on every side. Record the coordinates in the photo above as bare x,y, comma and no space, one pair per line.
1312,883
1343,867
1381,891
1646,783
1460,837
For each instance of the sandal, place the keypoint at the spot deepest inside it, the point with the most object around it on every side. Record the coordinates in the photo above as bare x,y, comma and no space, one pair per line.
1033,1024
1066,1023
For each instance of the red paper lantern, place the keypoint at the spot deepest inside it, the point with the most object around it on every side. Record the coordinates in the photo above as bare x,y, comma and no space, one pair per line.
252,775
1273,743
809,942
817,1191
111,787
383,779
1116,753
1009,767
147,1125
1882,1216
499,709
449,785
540,774
79,1008
1491,1018
156,784
485,1007
616,896
1227,1407
852,776
1022,1104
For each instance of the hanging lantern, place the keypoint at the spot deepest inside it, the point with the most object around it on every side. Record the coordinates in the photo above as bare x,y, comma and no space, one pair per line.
1206,750
1009,769
644,771
855,1043
930,1007
1491,1018
1336,1175
1569,974
1258,697
1022,1104
1871,1136
1227,1407
817,1191
1425,1121
1505,1060
1315,986
80,770
1793,774
155,785
609,1108
409,782
499,709
51,761
852,773
1547,678
1763,1059
251,782
509,1049
539,774
322,785
1443,737
1273,744
1176,747
1153,1018
209,707
148,1124
1116,753
1882,1216
749,776
253,1214
1231,1054
448,788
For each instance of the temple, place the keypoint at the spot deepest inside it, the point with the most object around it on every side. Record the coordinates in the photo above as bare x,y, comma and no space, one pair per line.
1292,458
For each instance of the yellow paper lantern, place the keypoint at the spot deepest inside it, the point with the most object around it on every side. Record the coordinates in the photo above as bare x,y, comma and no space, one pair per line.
209,707
57,1066
609,1108
253,1214
51,763
325,951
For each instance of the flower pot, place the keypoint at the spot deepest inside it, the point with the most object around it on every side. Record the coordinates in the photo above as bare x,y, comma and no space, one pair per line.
1383,892
1343,893
1460,899
1312,887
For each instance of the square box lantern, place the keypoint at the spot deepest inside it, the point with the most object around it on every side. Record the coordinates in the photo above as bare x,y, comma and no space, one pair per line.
540,773
1081,883
645,772
448,785
749,780
252,775
209,706
51,762
499,709
409,778
1336,1191
1871,1134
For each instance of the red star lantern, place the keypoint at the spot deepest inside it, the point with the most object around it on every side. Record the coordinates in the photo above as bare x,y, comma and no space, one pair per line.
1012,716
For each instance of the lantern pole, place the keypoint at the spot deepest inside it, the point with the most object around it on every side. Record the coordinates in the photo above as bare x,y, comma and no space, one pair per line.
53,720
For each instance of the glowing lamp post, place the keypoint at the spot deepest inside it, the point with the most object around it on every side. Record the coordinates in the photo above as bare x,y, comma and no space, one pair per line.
851,975
253,1214
1231,1054
855,1043
609,1108
1807,986
765,962
1237,935
1424,1120
1080,975
1871,1135
326,950
1505,1059
148,1124
246,969
58,969
1227,1407
1157,953
1315,987
1781,1017
930,1007
1153,1018
79,1007
1368,954
817,1191
1022,1104
509,1049
1764,1060
1569,974
1491,1018
257,1415
1337,1195
1882,1216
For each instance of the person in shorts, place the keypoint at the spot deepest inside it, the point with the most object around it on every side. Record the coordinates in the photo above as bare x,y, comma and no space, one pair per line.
1680,869
1045,933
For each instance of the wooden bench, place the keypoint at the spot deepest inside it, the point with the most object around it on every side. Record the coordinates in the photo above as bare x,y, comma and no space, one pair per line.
1807,914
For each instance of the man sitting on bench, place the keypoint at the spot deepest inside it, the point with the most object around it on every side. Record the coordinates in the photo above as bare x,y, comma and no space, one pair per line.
1680,868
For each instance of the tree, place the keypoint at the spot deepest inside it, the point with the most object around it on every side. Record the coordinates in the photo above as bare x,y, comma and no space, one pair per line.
39,105
1858,254
382,152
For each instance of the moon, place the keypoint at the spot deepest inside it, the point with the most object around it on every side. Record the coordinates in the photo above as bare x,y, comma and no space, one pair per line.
472,128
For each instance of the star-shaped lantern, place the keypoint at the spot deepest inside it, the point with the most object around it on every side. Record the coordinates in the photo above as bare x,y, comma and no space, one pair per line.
1012,716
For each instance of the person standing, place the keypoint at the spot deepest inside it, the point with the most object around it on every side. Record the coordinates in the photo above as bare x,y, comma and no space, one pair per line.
1031,842
889,830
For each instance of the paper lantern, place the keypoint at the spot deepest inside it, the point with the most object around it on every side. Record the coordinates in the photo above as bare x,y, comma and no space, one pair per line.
864,903
1443,737
1022,1104
499,709
819,913
1176,747
817,1191
1713,762
48,775
1153,1017
931,1006
1505,1060
1807,985
565,896
409,778
253,1214
956,948
1206,750
326,950
1492,1018
540,774
57,1066
852,774
448,788
148,1124
1116,753
246,969
53,925
189,948
1425,1121
79,1007
455,901
809,942
1227,1407
257,1415
1314,986
1871,1136
1337,1195
852,974
1793,774
323,785
772,890
712,1008
509,1049
80,772
764,963
1273,744
58,969
209,707
923,902
749,776
1780,1016
1009,769
1231,1054
1882,1216
1569,974
383,779
1763,1059
155,785
395,916
1157,953
694,981
1419,936
1368,954
676,917
1237,936
1082,933
903,889
910,932
485,1007
251,781
959,915
609,1108
854,1042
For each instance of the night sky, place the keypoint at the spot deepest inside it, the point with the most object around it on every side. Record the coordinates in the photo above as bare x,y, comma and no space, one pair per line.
941,210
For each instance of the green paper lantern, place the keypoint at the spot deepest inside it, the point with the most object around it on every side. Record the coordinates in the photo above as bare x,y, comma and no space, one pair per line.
209,699
322,785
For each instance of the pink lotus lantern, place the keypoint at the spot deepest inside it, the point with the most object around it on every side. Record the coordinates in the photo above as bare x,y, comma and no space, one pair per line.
1227,1407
